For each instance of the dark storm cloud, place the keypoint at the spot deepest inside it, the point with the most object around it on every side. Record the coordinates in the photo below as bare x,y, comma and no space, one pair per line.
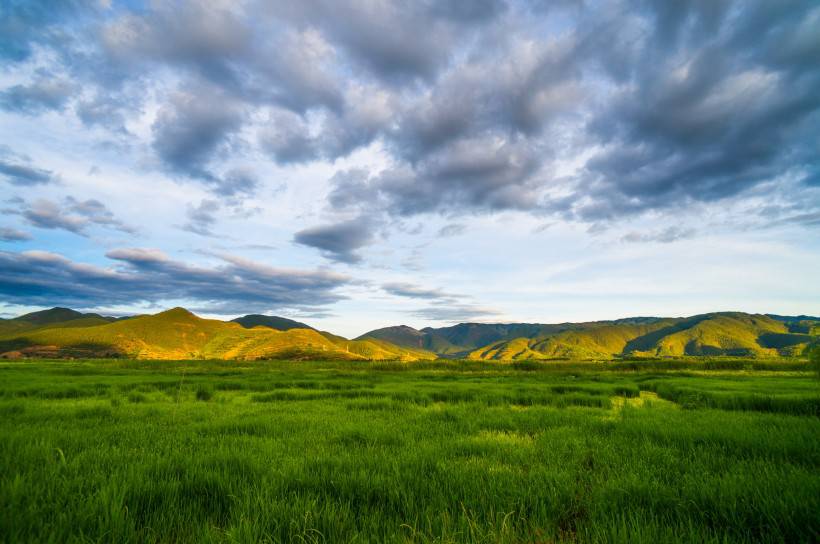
339,241
71,214
143,275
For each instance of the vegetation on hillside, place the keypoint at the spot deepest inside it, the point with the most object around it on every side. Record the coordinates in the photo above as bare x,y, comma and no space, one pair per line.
719,334
178,334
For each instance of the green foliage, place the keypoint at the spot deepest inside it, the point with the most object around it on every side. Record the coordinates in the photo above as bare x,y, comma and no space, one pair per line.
450,451
814,358
721,334
179,334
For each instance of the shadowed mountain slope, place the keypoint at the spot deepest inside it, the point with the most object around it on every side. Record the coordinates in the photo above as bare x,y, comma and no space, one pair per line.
274,322
54,317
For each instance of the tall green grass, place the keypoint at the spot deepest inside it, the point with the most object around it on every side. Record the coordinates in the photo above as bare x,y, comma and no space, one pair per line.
462,452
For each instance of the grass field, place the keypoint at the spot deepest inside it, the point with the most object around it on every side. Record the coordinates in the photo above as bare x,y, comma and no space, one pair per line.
137,451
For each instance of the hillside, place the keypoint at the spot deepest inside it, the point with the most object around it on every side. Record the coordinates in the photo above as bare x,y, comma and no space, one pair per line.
179,334
271,321
63,317
716,334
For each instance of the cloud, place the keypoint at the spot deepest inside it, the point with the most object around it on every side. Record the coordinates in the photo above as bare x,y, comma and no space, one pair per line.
105,110
452,229
41,95
809,219
442,306
455,313
234,285
193,126
72,215
339,241
202,218
565,110
26,24
17,170
13,235
381,38
364,114
665,236
288,139
410,290
470,176
702,118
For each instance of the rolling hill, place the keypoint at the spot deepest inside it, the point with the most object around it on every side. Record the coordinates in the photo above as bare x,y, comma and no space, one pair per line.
57,317
179,334
271,321
715,334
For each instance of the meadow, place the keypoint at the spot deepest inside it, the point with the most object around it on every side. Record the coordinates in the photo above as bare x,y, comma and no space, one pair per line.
227,451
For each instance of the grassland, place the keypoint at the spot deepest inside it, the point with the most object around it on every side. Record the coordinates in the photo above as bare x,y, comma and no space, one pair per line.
158,451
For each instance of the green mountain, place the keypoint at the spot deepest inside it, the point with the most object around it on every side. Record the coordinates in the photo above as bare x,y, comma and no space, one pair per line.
179,334
58,315
55,317
724,333
274,322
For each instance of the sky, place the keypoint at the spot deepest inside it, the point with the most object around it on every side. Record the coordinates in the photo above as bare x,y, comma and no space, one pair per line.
362,163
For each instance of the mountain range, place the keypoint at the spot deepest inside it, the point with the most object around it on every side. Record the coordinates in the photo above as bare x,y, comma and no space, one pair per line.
179,334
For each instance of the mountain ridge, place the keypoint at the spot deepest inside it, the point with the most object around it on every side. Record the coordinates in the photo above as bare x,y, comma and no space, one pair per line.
177,333
712,334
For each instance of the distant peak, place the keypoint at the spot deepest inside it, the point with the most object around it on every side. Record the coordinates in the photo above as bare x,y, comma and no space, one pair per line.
52,315
177,312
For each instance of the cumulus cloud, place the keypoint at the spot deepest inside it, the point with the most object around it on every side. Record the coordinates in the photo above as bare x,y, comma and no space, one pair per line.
339,241
234,285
